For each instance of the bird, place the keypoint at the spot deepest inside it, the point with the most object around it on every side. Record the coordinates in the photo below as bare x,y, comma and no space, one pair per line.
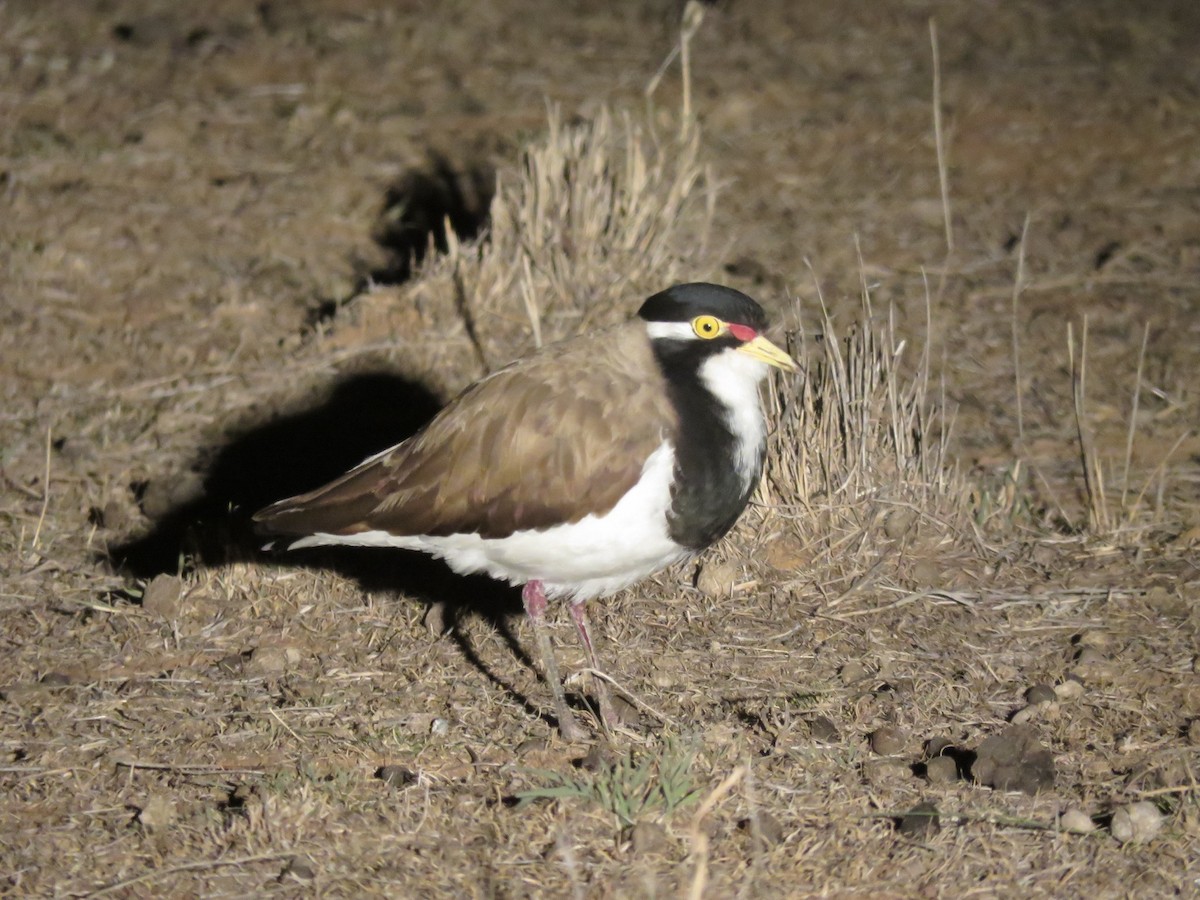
576,471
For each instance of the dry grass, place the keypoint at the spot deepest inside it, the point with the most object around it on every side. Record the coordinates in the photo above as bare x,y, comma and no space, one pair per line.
222,735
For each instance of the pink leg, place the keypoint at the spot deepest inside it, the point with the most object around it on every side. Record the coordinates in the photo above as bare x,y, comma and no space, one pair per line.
608,715
535,608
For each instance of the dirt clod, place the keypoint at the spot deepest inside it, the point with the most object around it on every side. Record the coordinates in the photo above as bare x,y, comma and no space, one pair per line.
888,740
717,578
298,869
921,821
1137,823
1076,821
898,521
161,597
157,813
396,776
1071,689
823,729
647,838
273,659
764,828
941,770
853,671
1041,693
1014,760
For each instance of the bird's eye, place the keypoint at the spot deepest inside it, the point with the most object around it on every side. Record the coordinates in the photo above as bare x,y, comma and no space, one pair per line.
707,327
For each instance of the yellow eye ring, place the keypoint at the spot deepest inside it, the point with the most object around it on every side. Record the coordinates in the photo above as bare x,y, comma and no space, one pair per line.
707,327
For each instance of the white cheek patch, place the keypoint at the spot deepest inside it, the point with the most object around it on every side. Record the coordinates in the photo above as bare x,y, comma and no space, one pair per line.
677,331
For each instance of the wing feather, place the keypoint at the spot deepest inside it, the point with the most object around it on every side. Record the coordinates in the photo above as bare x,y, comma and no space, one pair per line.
547,440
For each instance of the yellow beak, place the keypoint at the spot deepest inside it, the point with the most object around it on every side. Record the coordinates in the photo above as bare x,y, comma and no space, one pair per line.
762,349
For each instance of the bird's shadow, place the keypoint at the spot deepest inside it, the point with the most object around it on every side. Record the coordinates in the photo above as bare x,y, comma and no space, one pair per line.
364,413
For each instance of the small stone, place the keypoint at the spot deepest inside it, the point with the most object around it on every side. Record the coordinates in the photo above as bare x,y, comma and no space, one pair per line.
439,726
787,553
1136,823
649,838
717,578
435,619
157,813
273,659
1047,711
298,869
937,746
822,729
599,758
1193,733
888,740
662,678
1013,760
1090,656
1094,639
1076,821
897,523
396,776
852,672
233,664
885,771
1041,693
764,828
921,821
161,597
532,745
1071,689
941,770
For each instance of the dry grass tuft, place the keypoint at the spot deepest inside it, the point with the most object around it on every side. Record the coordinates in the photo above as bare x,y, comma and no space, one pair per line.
860,451
597,212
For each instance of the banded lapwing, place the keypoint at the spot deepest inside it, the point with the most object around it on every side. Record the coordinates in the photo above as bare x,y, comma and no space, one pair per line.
575,471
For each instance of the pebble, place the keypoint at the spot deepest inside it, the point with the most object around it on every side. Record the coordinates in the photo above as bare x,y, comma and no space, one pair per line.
852,671
1193,733
157,812
1136,823
162,594
649,838
717,578
1076,821
787,553
439,726
396,776
897,522
1014,760
273,659
885,771
941,770
1041,693
764,828
298,868
888,740
824,730
1071,689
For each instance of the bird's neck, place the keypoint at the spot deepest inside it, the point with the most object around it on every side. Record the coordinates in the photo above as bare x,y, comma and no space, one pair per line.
719,447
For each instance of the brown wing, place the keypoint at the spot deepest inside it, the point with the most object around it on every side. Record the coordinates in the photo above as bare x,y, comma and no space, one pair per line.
544,441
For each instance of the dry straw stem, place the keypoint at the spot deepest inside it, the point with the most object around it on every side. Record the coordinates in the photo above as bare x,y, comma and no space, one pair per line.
939,140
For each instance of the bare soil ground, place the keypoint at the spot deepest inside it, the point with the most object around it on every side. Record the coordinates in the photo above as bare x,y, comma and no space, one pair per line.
209,212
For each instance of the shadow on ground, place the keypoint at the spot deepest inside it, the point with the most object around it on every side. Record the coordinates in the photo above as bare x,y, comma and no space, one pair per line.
297,452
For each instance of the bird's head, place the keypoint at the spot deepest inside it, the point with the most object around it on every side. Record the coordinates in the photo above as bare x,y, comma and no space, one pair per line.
693,324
